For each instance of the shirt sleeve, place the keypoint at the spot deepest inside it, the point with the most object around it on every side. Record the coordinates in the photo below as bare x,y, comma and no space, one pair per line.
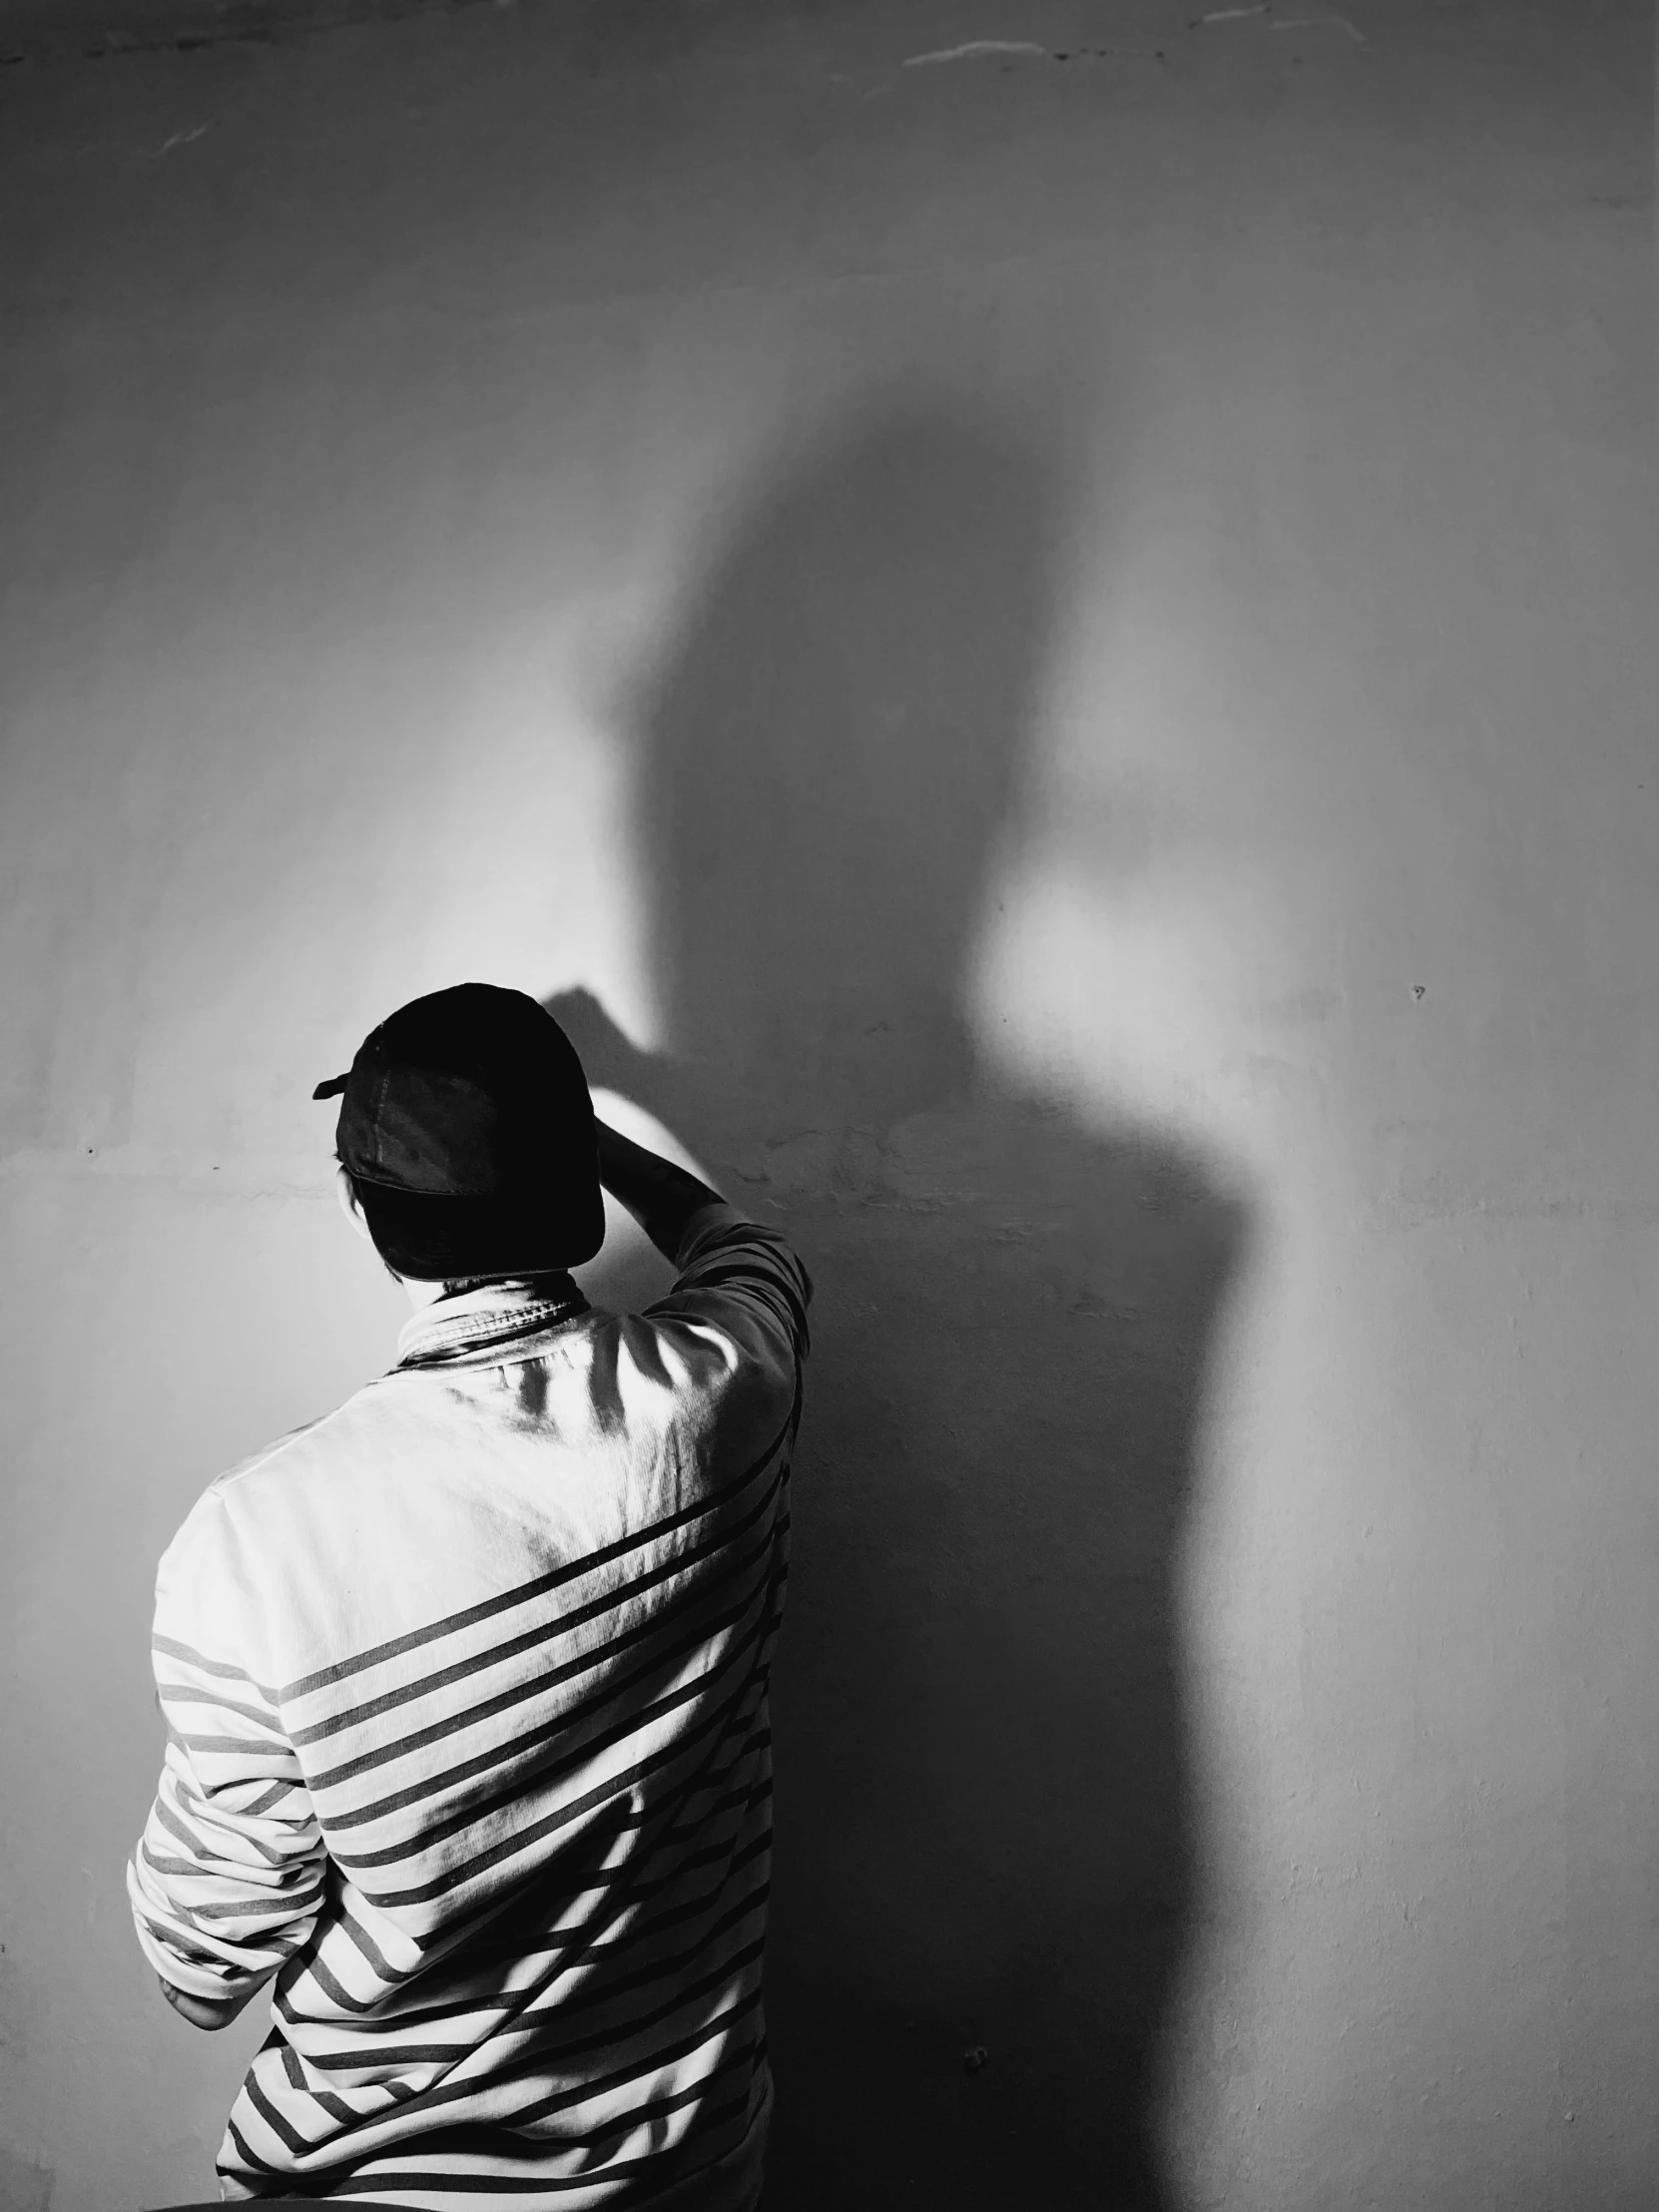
227,1879
744,1273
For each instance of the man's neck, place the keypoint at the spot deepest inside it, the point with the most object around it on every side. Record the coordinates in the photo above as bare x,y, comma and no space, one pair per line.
423,1295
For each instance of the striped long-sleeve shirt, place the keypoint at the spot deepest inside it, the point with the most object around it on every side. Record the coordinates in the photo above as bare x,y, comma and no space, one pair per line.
467,1744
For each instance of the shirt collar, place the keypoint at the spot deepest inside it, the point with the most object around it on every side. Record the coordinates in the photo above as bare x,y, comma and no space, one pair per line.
479,1321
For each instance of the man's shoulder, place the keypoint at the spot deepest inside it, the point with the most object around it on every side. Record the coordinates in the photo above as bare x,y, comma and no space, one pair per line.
252,1485
268,1454
295,1448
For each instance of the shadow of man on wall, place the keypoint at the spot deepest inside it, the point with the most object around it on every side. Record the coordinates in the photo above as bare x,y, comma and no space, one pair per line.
983,1825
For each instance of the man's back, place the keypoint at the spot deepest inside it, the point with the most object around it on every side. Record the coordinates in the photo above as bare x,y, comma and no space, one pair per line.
466,1692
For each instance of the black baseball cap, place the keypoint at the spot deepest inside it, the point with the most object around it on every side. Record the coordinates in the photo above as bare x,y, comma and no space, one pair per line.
468,1130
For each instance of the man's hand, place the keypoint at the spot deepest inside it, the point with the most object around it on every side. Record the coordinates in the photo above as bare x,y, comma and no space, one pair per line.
202,2012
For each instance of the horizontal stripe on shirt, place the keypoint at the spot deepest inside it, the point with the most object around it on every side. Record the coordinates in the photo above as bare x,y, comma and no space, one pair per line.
513,1891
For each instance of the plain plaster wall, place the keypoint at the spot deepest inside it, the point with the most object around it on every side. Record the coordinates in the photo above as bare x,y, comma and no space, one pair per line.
1065,651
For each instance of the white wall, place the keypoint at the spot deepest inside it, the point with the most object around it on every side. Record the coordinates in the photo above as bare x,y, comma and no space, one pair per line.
1136,575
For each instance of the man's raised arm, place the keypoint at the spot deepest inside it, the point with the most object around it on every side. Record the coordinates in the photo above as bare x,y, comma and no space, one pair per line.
664,1198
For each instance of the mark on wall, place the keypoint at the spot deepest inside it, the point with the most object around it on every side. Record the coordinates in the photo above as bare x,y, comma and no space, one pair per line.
1019,49
1319,23
972,49
1282,23
1008,52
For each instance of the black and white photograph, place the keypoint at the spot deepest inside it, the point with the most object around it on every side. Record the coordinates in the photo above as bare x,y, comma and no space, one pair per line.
828,1105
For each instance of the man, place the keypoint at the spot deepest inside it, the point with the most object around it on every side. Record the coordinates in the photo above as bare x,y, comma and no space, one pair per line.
465,1683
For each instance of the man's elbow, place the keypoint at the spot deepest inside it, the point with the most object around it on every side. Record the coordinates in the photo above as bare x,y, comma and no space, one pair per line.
203,2012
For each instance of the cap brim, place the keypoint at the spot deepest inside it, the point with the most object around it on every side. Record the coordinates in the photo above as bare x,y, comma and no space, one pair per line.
435,1239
